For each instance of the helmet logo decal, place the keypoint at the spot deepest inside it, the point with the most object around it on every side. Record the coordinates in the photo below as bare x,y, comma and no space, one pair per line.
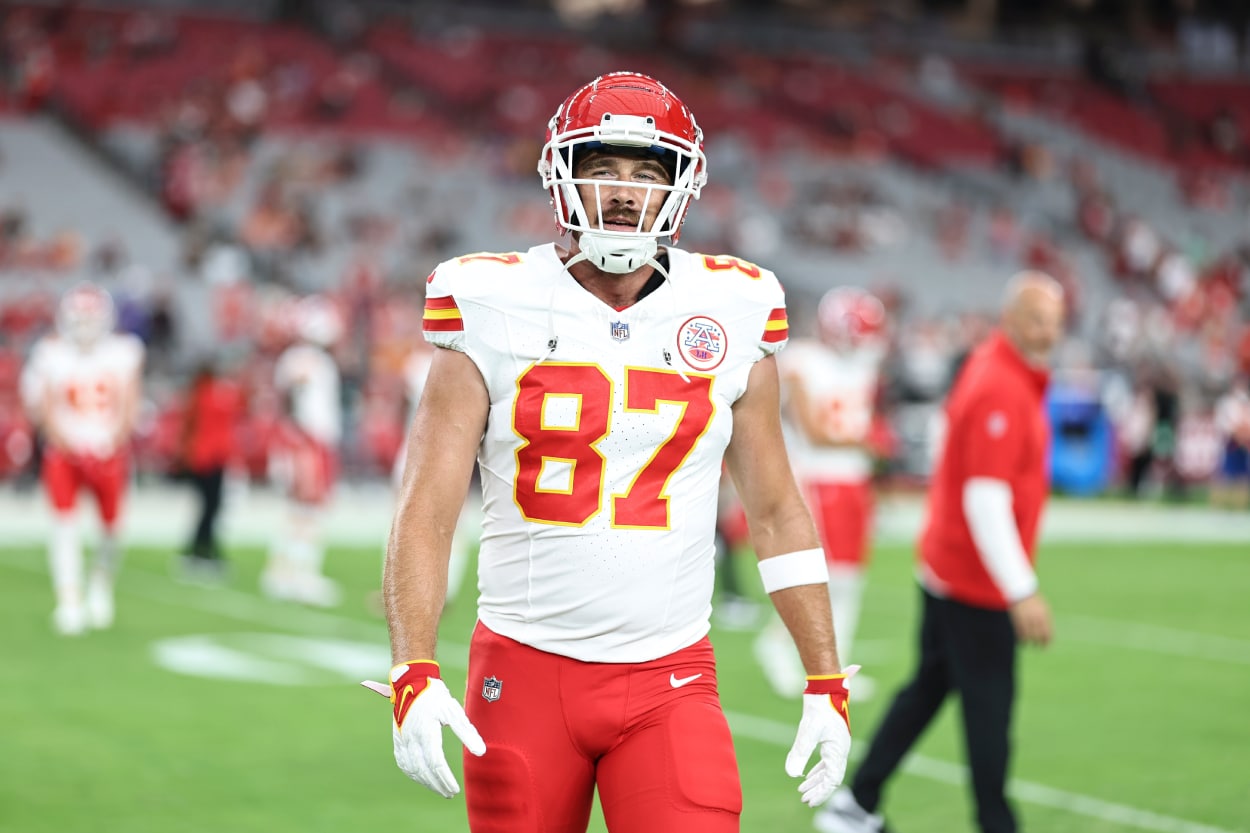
702,343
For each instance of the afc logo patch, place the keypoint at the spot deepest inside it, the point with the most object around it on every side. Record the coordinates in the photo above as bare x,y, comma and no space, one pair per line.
492,687
620,330
702,343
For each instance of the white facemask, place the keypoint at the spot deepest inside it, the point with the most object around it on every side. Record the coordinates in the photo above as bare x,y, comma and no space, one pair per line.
616,254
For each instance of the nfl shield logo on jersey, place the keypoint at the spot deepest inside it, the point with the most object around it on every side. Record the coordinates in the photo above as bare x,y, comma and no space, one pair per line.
620,330
491,689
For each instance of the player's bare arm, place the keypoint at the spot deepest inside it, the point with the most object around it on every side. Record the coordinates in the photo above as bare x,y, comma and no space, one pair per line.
442,447
778,518
131,395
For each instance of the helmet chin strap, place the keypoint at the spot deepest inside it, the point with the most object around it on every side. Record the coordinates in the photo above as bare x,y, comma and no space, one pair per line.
617,255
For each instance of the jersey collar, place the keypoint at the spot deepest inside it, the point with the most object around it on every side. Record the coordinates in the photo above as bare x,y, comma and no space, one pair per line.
1007,352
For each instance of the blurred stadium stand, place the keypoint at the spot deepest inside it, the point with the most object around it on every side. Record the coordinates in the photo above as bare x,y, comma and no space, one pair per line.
210,162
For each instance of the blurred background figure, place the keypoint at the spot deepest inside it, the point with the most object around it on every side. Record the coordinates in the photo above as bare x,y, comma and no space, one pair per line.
733,608
468,527
830,388
305,461
1231,488
81,387
207,448
980,595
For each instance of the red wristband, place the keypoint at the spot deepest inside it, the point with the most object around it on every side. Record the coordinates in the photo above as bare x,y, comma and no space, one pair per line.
410,683
834,687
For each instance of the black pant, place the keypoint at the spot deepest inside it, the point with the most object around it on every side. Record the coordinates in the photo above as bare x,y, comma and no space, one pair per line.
972,651
207,486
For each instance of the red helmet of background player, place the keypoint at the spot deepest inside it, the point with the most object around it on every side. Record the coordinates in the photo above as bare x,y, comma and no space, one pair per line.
850,317
623,110
85,314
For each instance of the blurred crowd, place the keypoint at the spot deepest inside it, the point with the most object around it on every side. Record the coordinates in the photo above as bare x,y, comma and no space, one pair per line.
1159,339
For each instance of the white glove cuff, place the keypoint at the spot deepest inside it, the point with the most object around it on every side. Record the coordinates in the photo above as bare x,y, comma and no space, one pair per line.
794,569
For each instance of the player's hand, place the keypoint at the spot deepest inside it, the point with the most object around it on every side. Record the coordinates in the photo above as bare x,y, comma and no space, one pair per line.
1031,618
826,723
423,706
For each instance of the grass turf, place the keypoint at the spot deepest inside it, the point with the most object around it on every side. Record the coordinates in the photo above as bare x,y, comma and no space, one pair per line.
1140,703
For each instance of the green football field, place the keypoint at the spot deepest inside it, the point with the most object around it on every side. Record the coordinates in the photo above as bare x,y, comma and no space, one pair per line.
1136,719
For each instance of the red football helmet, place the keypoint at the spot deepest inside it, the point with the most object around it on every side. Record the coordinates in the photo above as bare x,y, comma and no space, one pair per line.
850,317
624,109
85,314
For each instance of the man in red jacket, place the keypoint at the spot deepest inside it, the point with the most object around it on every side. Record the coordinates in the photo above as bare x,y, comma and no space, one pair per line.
980,593
207,447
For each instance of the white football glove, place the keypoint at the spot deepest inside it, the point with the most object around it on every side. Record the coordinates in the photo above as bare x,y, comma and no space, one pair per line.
826,723
423,706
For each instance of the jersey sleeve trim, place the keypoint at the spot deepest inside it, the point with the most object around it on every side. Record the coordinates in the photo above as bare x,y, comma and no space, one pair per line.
777,328
442,315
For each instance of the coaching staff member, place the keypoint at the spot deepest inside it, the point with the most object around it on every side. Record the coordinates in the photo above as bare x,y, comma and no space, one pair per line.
980,594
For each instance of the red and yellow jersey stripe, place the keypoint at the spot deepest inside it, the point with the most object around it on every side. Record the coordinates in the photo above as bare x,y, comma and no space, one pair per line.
442,315
778,327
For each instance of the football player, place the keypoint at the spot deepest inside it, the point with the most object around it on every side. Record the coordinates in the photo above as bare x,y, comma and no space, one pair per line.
829,387
81,386
305,461
599,382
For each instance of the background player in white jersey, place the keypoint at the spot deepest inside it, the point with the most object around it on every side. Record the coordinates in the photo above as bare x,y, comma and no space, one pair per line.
415,372
829,386
306,461
600,383
81,386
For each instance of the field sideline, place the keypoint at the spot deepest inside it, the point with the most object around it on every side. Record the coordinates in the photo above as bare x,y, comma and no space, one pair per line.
1132,721
162,513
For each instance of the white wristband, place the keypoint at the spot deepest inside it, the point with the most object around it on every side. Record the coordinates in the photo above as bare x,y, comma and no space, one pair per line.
794,569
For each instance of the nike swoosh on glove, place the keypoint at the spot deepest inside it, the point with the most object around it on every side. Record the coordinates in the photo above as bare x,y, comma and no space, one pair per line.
826,723
423,706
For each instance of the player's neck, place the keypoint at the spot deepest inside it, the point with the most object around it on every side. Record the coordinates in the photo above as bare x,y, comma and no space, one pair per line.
616,290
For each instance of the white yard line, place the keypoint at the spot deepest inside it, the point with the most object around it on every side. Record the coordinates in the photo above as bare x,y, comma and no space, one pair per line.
1108,632
782,734
245,607
1142,636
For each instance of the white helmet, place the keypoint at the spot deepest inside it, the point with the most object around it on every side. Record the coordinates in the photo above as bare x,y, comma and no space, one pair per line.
623,110
85,314
317,320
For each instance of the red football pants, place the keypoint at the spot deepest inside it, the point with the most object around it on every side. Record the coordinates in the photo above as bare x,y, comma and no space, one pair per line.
65,474
651,735
312,466
843,513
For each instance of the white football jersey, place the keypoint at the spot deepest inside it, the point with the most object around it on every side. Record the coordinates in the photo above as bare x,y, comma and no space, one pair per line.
81,392
840,388
602,455
309,375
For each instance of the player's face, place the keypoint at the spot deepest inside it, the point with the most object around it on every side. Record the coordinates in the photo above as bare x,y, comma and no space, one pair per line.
623,198
1036,325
